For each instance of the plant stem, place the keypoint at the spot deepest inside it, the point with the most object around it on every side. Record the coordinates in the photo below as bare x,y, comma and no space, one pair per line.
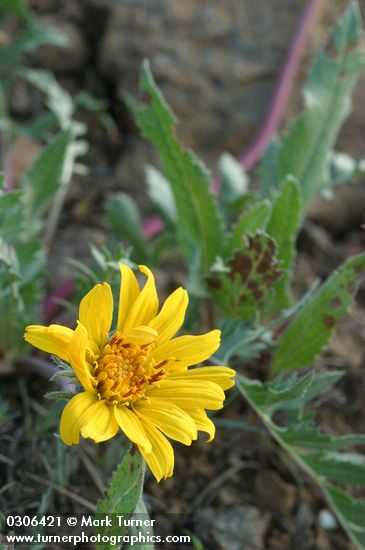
318,480
284,86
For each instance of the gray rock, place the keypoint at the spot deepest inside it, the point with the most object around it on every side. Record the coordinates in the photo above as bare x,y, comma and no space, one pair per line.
232,528
274,492
216,61
130,171
342,213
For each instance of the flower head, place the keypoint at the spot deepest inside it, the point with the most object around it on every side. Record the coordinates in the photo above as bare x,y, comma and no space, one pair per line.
137,378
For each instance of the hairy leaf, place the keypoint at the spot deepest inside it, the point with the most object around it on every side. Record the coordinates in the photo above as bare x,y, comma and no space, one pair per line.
308,436
27,41
245,284
123,493
305,149
18,8
199,218
350,511
11,216
21,290
347,468
311,329
161,195
322,382
279,391
58,395
251,221
317,453
43,178
283,227
124,220
141,513
58,100
268,167
242,339
234,180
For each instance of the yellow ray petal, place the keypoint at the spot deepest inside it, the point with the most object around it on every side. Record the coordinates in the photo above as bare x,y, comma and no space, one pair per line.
189,350
54,339
203,422
219,375
169,419
74,414
146,305
188,394
77,353
129,292
132,427
161,458
140,335
96,313
100,424
171,316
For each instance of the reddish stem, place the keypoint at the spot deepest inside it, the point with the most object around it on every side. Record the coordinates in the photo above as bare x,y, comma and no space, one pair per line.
152,226
284,86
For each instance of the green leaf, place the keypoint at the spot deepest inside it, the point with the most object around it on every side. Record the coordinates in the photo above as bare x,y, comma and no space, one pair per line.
283,227
69,374
43,178
141,513
322,382
306,148
123,218
251,221
90,103
18,8
310,449
311,329
244,286
266,396
21,291
241,339
347,468
58,100
313,439
31,258
199,218
123,494
161,195
58,395
11,216
234,180
292,311
350,510
40,127
344,169
267,170
27,41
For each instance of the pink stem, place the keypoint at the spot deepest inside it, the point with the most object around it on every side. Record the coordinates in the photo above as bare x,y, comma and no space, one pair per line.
284,86
152,226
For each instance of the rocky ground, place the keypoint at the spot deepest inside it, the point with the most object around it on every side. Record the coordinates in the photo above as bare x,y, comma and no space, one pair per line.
217,62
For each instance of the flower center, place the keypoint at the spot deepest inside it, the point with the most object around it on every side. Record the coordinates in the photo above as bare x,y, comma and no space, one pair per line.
123,371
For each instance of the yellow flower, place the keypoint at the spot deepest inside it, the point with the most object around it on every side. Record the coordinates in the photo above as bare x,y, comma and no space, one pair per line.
137,377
